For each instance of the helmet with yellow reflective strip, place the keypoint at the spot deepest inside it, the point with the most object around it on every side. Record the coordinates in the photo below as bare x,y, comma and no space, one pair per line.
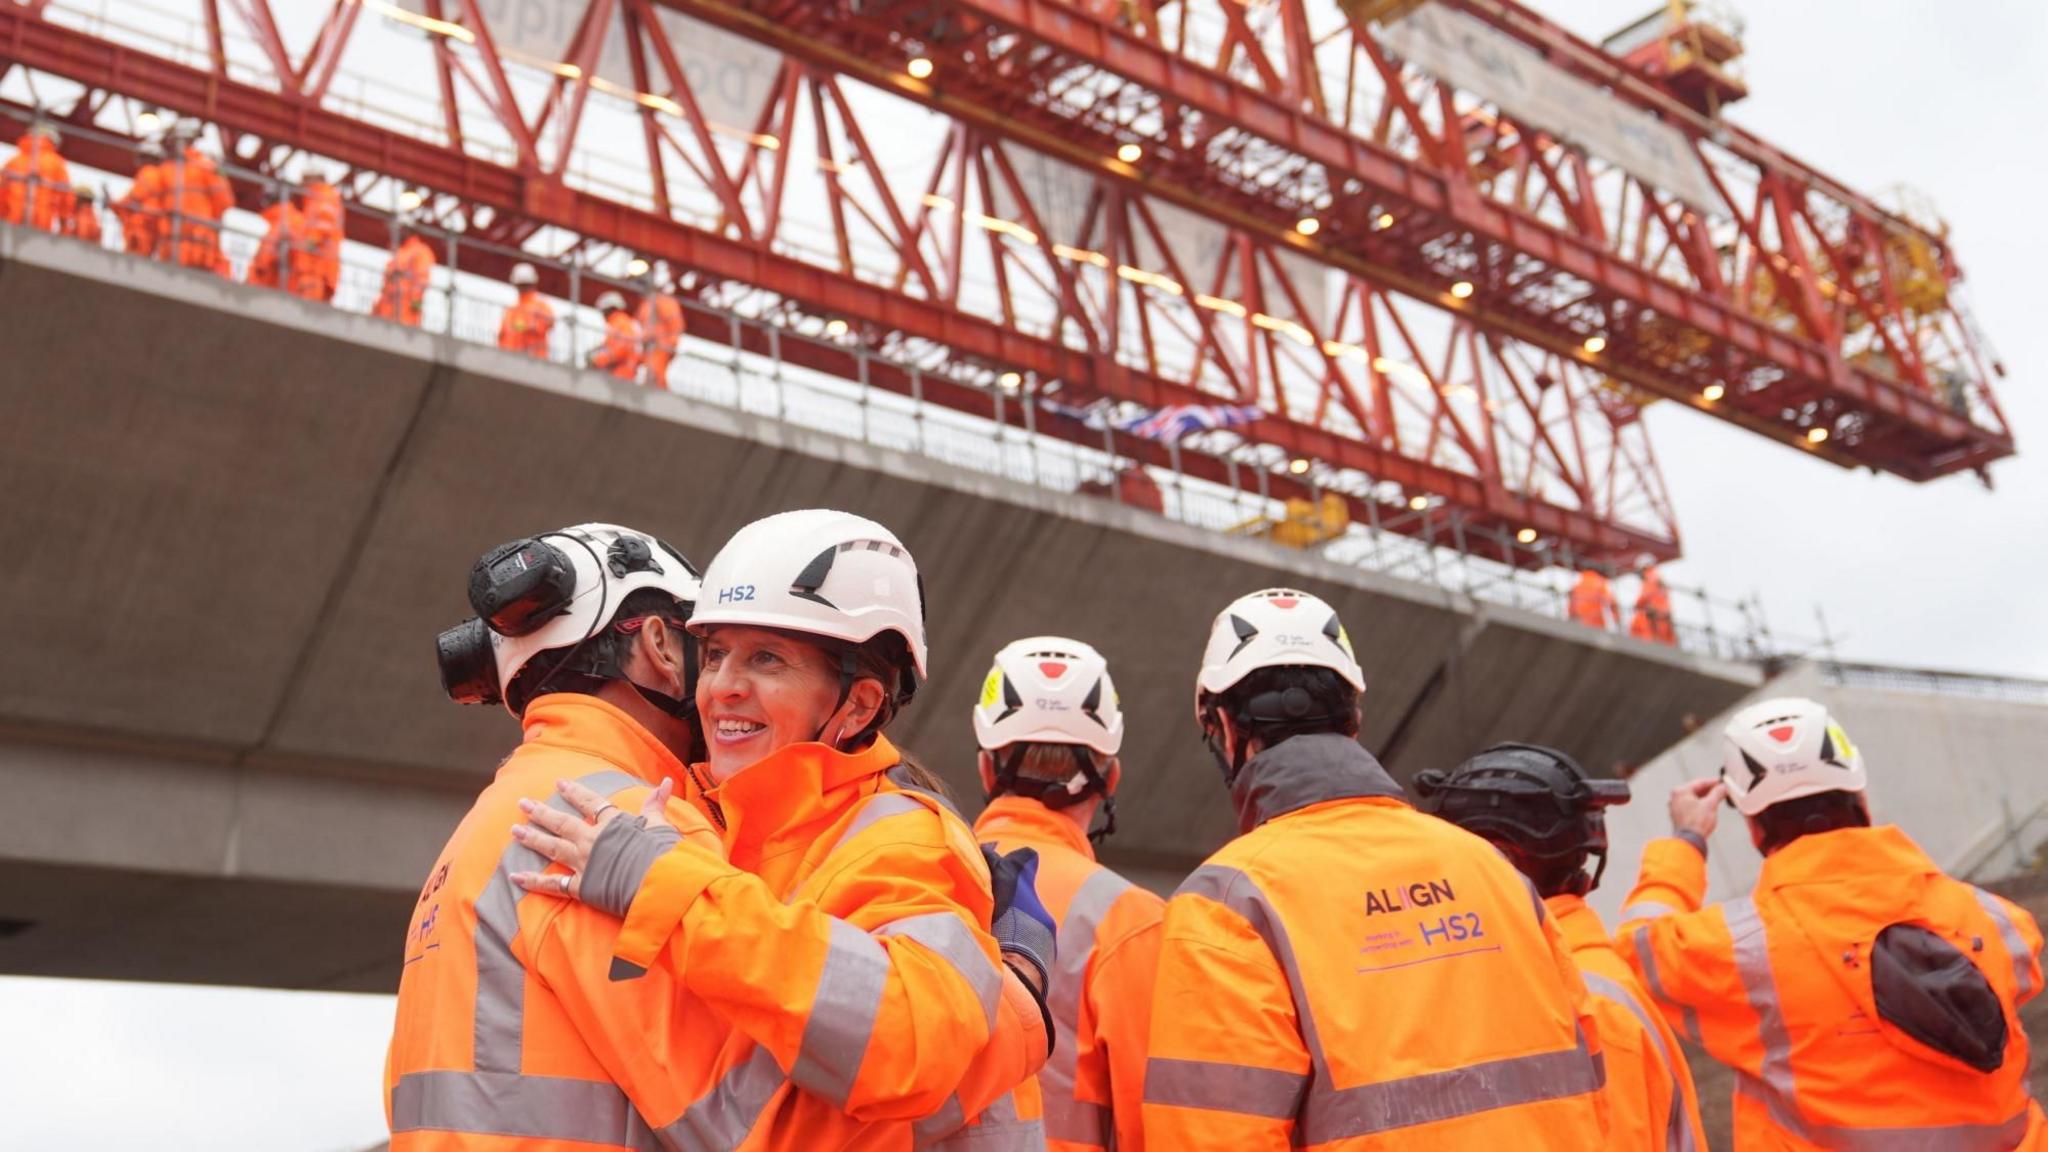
1785,748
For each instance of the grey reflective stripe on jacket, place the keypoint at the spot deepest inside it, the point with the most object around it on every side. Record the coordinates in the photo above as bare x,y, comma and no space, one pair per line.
2015,943
497,1098
1775,1086
1323,1111
1305,770
1066,1118
1678,1135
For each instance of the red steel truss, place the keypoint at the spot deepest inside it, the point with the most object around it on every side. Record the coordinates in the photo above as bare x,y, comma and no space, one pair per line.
1804,305
1480,413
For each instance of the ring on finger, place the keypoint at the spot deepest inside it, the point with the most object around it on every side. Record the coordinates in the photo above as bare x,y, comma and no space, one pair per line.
562,882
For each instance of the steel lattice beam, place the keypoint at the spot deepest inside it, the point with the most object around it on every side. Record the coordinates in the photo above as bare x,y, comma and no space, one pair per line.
1500,435
1677,315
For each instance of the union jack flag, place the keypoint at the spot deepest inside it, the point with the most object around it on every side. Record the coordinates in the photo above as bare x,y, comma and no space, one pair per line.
1178,421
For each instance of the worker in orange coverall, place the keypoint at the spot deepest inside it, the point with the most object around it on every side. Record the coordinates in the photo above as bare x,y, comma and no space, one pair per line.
35,183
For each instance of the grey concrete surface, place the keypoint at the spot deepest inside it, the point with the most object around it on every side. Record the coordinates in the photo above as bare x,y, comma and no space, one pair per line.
239,520
1960,775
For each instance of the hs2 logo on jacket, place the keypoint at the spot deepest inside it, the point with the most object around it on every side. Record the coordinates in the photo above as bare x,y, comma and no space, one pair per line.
1416,922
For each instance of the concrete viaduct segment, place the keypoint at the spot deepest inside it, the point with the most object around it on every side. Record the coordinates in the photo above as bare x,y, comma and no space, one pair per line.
236,521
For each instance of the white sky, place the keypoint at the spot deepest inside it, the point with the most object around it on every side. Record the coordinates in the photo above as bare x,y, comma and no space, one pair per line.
1945,575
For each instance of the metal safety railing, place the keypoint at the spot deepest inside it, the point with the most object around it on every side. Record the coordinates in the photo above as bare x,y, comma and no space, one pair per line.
1933,682
754,364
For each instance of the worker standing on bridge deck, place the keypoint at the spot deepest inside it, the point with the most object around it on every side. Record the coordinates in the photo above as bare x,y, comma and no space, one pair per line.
85,218
839,974
1592,602
35,183
317,270
1349,973
1049,726
195,197
406,276
527,323
623,340
1651,619
271,266
661,326
141,210
1863,998
1539,808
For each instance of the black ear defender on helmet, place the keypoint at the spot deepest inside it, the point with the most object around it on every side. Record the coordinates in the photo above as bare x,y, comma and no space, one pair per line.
516,588
513,589
1536,804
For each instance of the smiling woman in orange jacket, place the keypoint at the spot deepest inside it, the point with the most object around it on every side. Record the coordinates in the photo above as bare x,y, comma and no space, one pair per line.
837,986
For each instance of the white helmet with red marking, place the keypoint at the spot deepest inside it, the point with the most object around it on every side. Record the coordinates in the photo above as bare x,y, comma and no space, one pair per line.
1785,748
1275,628
1049,690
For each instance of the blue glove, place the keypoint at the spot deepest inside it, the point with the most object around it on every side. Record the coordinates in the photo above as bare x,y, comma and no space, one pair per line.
1023,929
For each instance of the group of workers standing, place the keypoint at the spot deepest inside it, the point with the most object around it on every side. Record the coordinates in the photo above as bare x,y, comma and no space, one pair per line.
1592,604
708,904
172,210
175,205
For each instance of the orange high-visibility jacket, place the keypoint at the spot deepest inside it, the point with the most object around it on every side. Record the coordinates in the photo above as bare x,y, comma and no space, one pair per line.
511,1033
1779,986
195,197
141,210
838,989
1592,601
1651,619
320,271
1353,974
661,326
85,221
271,264
35,186
620,352
1101,996
1651,1104
526,324
405,282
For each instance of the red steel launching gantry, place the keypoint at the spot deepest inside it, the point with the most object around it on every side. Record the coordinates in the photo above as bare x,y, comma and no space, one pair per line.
1450,257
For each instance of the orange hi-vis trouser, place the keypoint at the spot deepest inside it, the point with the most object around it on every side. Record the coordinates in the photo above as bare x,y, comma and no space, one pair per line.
1779,986
194,198
1101,995
1651,1102
661,325
518,1028
1354,975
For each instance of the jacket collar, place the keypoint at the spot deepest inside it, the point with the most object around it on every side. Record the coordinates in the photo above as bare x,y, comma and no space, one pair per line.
1817,856
1027,819
1305,770
796,786
1577,923
587,724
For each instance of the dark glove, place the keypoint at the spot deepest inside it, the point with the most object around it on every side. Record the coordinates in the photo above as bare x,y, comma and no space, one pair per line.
1023,929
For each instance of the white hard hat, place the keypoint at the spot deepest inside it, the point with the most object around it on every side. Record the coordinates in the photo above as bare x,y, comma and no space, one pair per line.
1275,628
524,275
609,563
1049,690
1782,749
610,300
819,573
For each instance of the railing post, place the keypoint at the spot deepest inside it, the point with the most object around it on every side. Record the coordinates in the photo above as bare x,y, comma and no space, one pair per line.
575,314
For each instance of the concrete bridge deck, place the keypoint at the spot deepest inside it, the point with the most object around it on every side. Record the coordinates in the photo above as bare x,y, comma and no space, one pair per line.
237,520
